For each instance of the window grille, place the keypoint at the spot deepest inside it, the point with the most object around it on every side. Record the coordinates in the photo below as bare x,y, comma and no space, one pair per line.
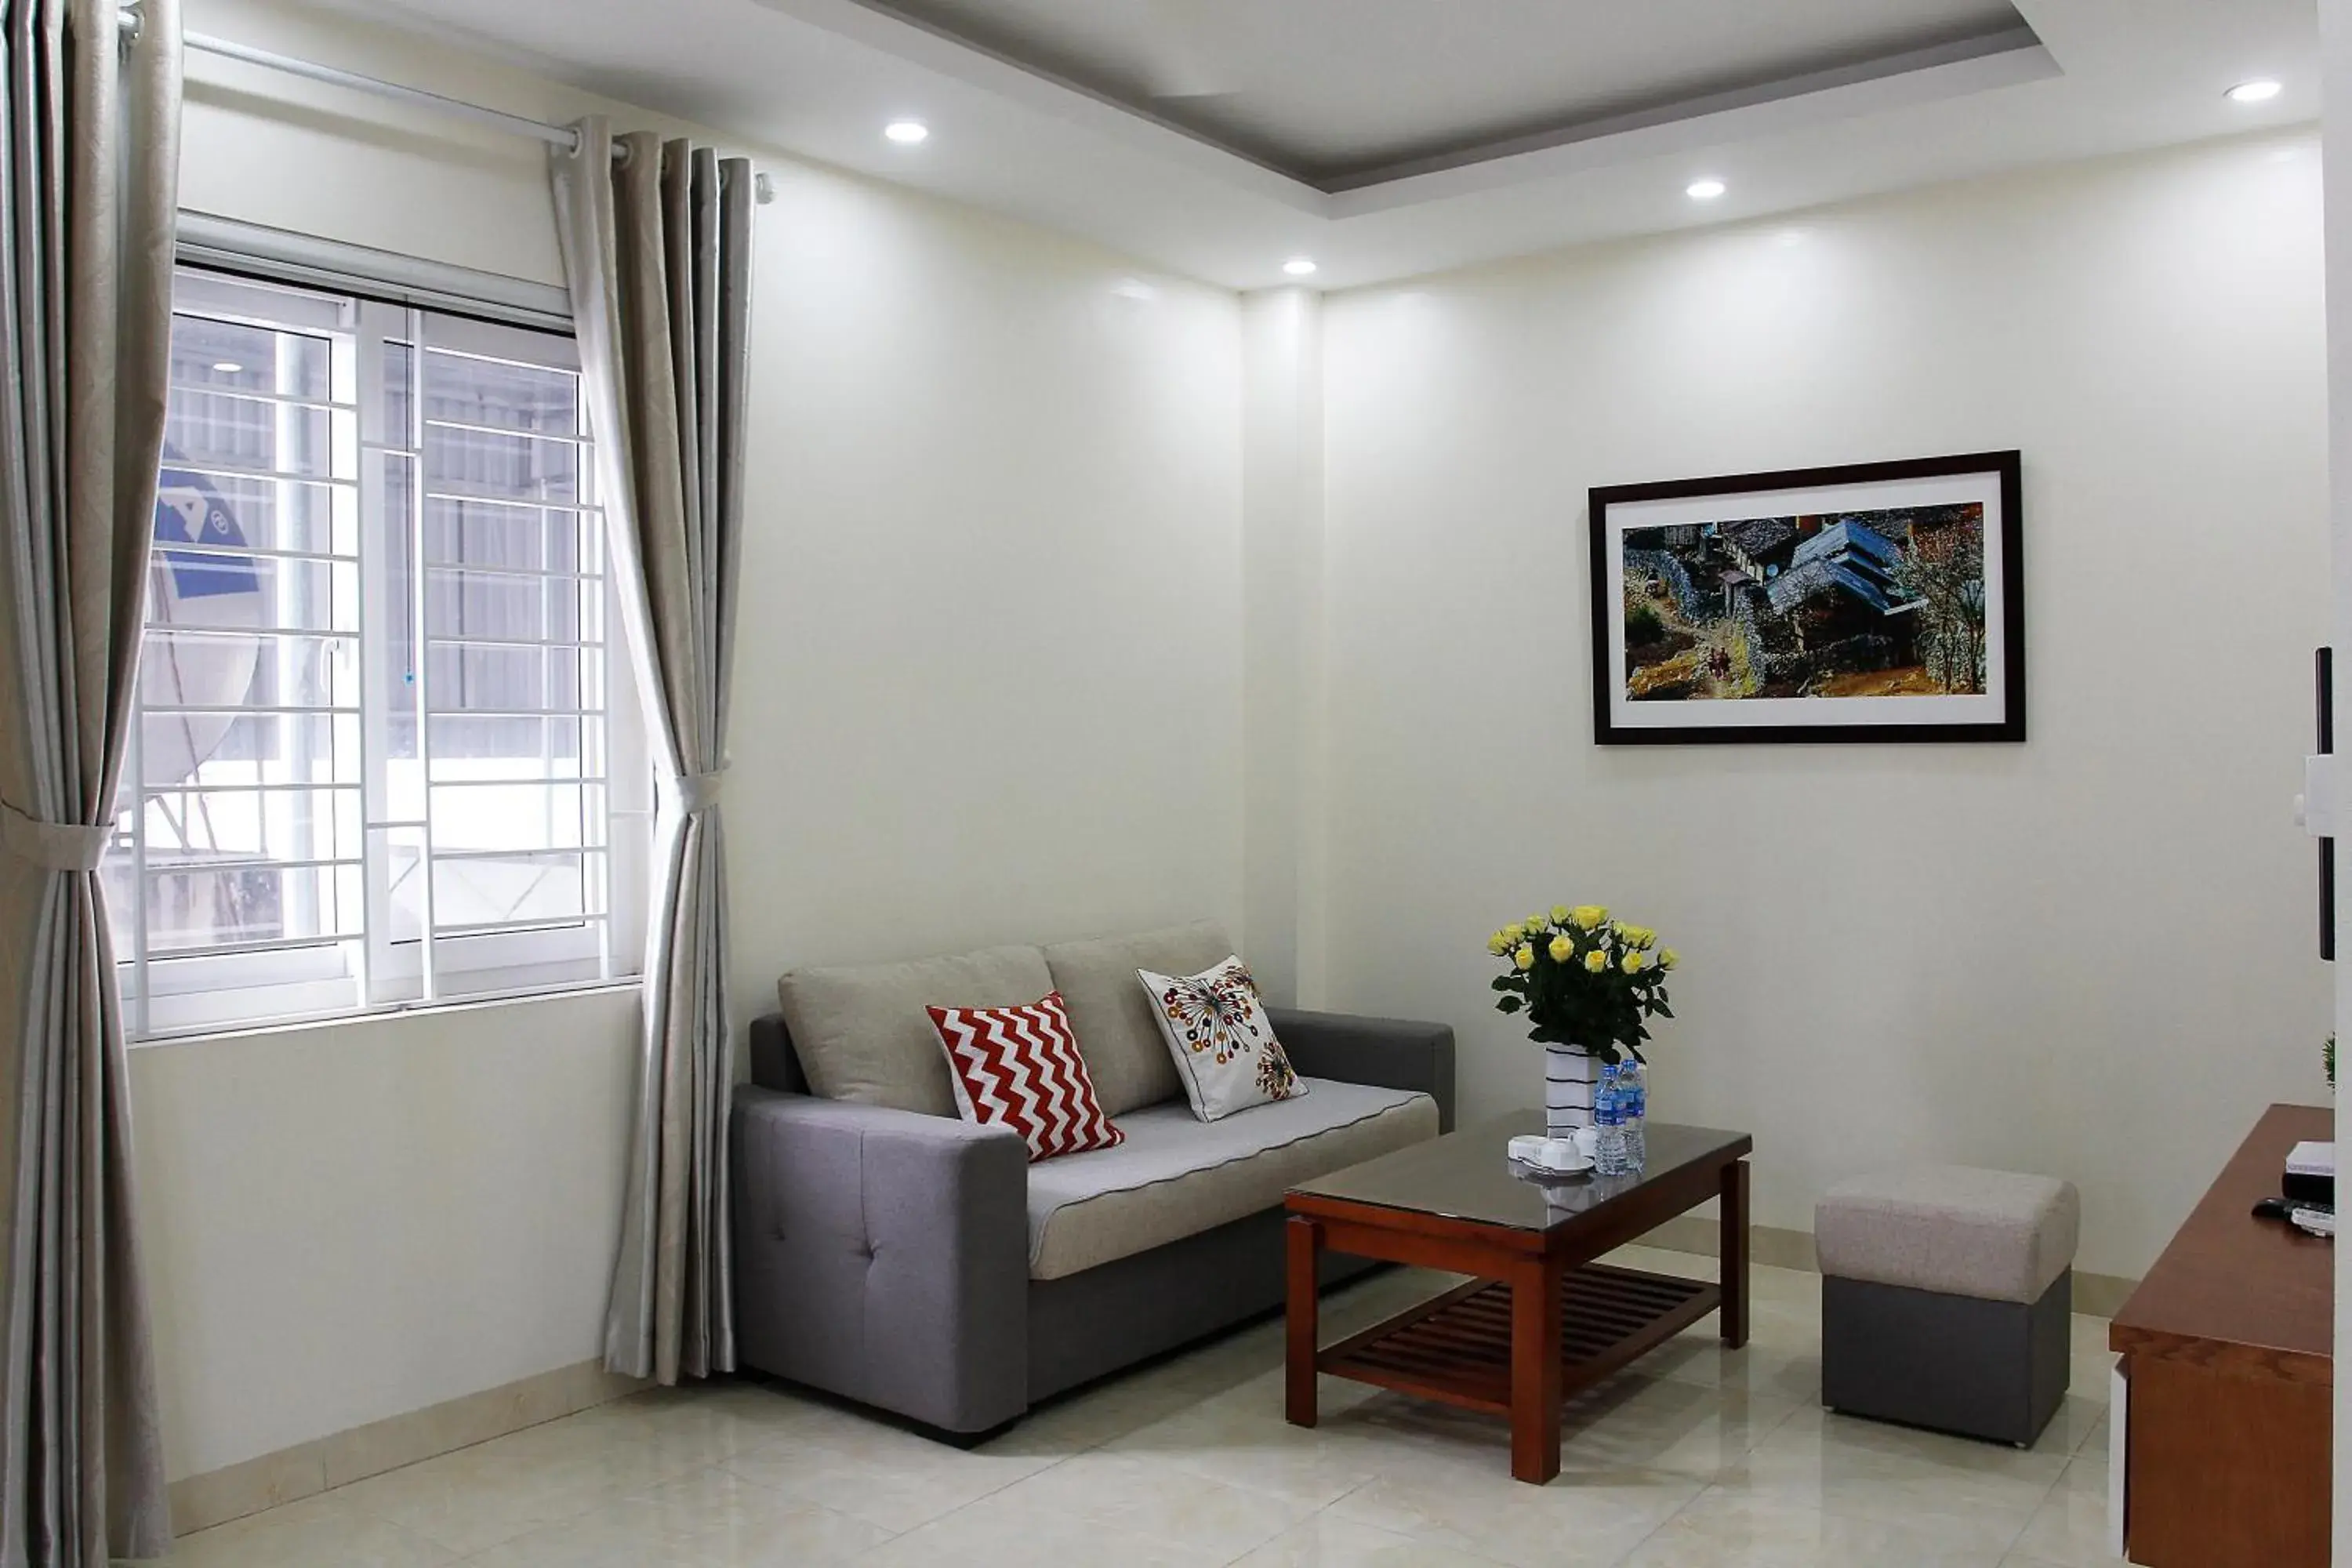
376,748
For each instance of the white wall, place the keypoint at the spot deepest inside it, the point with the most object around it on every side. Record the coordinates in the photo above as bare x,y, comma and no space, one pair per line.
988,690
2091,954
1282,568
345,1223
989,687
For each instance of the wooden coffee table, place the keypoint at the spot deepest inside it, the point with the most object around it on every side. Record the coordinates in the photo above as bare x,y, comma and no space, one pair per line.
1540,1322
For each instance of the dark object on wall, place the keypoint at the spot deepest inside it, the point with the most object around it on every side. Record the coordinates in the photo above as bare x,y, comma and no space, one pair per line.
2323,682
1865,602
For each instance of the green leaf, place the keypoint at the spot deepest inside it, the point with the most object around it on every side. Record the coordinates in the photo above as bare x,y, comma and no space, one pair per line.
1510,1004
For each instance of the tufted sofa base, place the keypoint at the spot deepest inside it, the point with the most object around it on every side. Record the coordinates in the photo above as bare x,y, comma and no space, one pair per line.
883,1255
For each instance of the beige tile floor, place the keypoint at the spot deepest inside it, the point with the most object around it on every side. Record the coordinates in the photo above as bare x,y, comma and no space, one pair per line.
1698,1458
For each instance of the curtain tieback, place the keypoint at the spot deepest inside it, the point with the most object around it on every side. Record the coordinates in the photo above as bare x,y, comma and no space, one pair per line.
696,792
57,846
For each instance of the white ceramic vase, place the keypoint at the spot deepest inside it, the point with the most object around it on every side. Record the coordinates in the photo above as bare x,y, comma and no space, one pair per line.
1571,1078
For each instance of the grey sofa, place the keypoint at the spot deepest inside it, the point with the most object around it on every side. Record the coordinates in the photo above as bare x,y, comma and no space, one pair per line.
899,1256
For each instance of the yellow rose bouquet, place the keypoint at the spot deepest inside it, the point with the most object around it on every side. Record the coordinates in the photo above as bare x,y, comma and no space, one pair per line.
1584,980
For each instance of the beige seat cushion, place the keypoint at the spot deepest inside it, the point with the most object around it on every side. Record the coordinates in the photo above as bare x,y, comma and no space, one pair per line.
1111,1013
862,1033
1176,1177
1994,1235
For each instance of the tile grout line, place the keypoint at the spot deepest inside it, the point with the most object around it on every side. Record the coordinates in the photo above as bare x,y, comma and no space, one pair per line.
2034,1512
1057,1452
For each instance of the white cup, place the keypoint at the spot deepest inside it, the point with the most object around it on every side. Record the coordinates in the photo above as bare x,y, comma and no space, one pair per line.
1557,1154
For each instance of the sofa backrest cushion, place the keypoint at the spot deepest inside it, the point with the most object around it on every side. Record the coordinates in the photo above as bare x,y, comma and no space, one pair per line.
863,1035
1109,1009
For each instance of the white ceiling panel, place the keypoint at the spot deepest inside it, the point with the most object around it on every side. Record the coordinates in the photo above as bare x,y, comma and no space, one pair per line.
1339,91
1367,134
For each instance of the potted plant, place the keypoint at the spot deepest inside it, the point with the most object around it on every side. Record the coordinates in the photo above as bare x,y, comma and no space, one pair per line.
1588,985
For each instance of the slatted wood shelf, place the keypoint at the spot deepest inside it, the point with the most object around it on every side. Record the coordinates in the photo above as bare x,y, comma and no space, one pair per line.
1457,1347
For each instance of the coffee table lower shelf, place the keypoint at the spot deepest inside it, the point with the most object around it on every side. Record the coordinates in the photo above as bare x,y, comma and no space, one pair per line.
1457,1348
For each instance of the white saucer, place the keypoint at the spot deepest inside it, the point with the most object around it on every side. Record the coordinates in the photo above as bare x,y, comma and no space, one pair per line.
1547,1156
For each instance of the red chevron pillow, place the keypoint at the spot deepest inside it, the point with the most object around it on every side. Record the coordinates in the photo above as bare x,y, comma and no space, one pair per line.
1020,1067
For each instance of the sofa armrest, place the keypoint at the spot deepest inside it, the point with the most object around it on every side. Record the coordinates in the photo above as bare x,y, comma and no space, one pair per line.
1388,1053
883,1255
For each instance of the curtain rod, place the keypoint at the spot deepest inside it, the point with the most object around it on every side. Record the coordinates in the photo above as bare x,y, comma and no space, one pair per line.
561,136
554,135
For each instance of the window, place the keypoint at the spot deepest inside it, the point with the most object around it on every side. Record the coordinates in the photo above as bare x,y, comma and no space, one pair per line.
377,758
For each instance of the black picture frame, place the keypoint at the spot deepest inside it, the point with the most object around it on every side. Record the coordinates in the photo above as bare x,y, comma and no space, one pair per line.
2000,476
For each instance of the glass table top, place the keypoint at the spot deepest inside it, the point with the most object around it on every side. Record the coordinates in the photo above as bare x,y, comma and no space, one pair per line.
1468,1175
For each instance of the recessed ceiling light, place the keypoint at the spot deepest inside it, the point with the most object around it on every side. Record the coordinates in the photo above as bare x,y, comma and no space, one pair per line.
228,367
2260,90
1704,190
907,132
1299,267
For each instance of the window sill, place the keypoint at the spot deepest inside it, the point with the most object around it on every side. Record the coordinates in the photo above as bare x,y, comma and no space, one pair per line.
630,987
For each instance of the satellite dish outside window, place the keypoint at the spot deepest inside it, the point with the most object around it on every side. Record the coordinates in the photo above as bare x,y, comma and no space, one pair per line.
192,588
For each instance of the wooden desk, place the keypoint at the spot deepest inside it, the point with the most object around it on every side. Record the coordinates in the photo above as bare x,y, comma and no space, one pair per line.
2228,1363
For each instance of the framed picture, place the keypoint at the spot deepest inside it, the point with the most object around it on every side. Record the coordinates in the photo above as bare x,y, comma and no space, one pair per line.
1869,602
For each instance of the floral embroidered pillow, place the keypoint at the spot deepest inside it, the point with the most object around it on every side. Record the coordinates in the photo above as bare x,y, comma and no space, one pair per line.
1223,1043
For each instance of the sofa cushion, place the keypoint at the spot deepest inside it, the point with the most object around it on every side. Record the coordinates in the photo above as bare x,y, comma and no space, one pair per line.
1113,1014
1020,1067
1220,1039
1175,1175
1995,1235
863,1033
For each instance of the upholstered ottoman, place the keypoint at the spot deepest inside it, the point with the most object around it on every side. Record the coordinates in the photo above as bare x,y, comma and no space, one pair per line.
1946,1293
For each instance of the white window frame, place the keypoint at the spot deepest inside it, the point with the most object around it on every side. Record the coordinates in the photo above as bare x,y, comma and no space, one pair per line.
375,972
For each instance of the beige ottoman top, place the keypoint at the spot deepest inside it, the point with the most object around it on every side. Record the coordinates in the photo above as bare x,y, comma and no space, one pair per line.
1994,1235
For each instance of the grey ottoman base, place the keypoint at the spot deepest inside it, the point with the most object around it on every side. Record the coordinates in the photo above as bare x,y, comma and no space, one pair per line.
1985,1369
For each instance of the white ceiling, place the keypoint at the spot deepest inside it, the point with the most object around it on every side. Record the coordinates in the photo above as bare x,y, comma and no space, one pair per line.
1216,137
1339,92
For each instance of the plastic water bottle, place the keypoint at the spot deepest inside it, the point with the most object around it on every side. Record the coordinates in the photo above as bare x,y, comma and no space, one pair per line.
1609,1117
1634,1088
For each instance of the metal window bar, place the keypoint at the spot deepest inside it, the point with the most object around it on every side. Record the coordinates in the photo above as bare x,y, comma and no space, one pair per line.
275,427
264,945
207,629
420,671
282,864
298,786
553,922
281,431
509,433
258,553
249,395
522,852
510,644
516,502
256,710
214,470
526,574
141,1019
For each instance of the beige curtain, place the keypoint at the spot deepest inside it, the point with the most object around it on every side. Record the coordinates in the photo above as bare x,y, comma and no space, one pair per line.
657,251
86,215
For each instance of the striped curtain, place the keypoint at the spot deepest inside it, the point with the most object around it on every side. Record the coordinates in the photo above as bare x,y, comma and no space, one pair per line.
87,191
657,248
